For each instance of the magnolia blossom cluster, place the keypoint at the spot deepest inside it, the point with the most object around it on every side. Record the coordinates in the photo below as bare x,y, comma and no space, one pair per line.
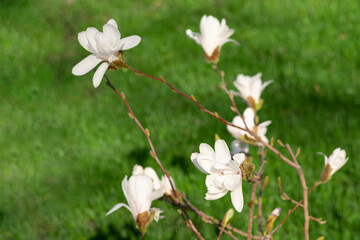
223,169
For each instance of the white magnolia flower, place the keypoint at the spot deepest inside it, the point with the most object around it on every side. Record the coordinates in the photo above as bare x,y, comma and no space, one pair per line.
223,172
212,36
276,212
250,89
148,171
333,163
139,193
249,116
105,48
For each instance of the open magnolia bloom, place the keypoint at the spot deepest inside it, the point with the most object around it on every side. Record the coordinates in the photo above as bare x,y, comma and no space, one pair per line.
249,116
333,163
105,48
139,193
212,36
223,172
250,89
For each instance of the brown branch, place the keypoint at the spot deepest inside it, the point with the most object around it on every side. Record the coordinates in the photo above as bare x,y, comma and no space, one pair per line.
187,220
305,193
231,96
261,172
250,222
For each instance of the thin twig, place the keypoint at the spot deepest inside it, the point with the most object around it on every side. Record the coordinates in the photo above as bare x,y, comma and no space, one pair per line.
250,222
261,172
305,193
231,96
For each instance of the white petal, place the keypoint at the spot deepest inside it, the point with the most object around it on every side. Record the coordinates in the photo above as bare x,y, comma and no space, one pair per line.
210,196
86,65
237,198
239,158
267,83
116,207
138,170
232,182
128,42
151,173
112,22
194,36
157,211
222,152
99,74
157,194
83,40
194,159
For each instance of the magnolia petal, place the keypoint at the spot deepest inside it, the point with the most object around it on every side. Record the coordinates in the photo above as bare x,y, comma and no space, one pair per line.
128,42
193,35
239,158
83,40
152,174
117,206
86,65
157,211
237,198
138,170
232,182
99,74
112,22
209,196
265,84
111,32
157,194
222,152
194,159
219,167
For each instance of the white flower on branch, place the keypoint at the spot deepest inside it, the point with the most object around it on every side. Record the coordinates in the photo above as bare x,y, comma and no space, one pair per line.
223,172
212,36
250,89
105,47
249,116
139,193
333,163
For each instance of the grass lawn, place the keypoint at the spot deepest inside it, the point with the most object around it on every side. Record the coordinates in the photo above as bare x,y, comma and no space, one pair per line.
65,147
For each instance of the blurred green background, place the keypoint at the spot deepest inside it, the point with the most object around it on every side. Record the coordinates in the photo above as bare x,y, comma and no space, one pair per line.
65,147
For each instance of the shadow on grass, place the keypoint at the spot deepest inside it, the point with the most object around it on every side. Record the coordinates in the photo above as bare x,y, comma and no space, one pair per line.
112,232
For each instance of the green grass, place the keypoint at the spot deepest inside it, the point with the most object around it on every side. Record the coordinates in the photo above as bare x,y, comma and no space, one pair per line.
65,147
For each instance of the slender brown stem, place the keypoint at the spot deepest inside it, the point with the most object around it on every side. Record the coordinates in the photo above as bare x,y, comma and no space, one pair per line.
231,96
305,193
252,204
261,172
153,152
